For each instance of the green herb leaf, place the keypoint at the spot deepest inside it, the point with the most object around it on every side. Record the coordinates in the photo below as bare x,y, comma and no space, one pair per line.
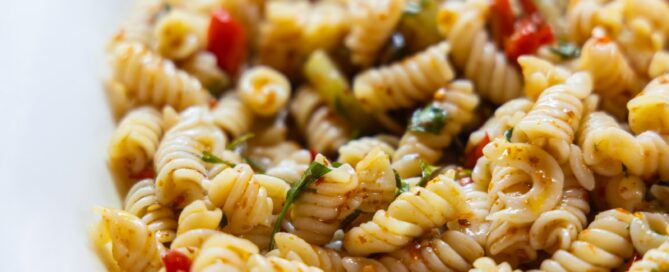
431,119
313,173
507,134
395,49
223,223
400,184
349,219
566,50
426,171
257,167
240,140
336,164
211,158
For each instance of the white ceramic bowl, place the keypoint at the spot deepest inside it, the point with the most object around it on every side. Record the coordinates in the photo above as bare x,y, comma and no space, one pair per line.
54,130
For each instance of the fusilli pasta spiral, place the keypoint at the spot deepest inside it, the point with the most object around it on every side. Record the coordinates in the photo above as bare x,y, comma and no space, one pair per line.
654,260
372,24
135,141
649,111
179,34
142,202
264,90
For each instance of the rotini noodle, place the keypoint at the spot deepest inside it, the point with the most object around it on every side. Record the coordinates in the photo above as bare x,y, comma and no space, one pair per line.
142,202
135,141
372,24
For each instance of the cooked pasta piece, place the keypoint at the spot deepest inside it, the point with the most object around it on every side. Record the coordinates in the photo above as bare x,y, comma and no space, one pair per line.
615,82
649,111
623,191
649,230
292,247
135,141
224,252
406,83
259,263
264,90
280,35
292,166
377,181
140,23
505,118
179,34
659,64
554,119
463,24
582,17
326,26
134,246
458,103
203,66
232,116
324,130
373,21
150,79
485,264
244,201
190,242
319,211
355,150
640,42
604,245
654,11
198,216
181,173
410,215
539,75
654,260
142,202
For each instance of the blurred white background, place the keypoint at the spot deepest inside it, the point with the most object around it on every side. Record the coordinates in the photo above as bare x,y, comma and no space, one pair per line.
54,129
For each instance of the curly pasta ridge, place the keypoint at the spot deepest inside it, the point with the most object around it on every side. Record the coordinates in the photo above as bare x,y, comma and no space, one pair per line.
406,83
135,141
459,102
657,259
324,130
372,24
233,116
409,216
292,247
153,80
649,230
649,111
142,202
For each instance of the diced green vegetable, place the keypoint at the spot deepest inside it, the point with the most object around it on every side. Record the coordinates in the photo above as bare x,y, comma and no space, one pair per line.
313,173
430,119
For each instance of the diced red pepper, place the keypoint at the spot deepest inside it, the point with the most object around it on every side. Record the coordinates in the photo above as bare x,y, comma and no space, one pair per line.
176,261
531,33
313,154
477,152
227,40
528,7
502,20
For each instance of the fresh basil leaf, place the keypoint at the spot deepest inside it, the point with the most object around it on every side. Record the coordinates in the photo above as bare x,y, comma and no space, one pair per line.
426,171
431,119
313,173
240,140
211,158
400,184
566,50
349,219
507,134
257,167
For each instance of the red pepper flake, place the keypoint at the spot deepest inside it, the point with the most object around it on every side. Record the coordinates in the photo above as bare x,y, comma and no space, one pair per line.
473,156
313,154
530,34
176,261
227,40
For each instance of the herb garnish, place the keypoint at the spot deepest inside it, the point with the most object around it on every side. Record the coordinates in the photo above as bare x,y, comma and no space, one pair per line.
240,140
401,185
507,134
336,164
431,119
211,158
349,219
566,50
259,168
313,173
426,171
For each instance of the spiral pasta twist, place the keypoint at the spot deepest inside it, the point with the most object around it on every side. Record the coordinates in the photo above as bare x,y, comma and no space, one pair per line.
244,201
180,34
233,116
291,168
355,150
558,228
259,263
649,111
459,102
134,246
280,33
292,247
224,252
555,117
623,191
264,90
198,216
654,11
462,24
181,172
372,24
190,242
485,264
152,80
324,130
505,118
142,202
409,216
649,230
539,75
141,22
616,82
317,214
604,245
406,83
582,18
640,41
135,141
377,181
655,259
203,66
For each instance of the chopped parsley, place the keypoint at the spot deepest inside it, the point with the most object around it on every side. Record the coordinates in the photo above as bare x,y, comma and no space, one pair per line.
426,171
431,119
401,185
507,134
313,173
240,140
566,50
